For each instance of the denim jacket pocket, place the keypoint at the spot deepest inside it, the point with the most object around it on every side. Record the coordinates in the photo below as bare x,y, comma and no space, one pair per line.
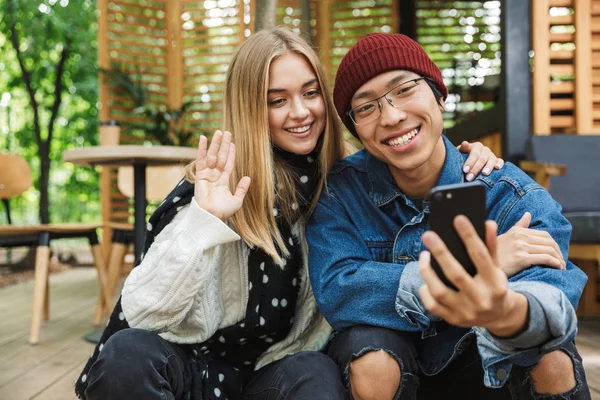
381,251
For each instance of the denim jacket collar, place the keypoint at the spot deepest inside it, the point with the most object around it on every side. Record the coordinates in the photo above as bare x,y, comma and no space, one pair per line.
385,189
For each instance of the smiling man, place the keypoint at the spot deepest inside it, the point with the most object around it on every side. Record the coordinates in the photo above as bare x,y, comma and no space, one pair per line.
401,333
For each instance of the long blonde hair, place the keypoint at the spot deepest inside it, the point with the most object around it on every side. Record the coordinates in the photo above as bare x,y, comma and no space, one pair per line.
246,117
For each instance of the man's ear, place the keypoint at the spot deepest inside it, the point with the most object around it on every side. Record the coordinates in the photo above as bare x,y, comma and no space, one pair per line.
442,105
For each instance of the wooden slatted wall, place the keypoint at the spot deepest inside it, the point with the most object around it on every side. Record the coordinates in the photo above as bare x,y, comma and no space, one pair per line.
337,25
340,24
132,38
562,33
211,32
289,14
180,49
463,39
595,59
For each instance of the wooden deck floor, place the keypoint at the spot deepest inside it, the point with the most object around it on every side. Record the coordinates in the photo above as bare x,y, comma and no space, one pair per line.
48,370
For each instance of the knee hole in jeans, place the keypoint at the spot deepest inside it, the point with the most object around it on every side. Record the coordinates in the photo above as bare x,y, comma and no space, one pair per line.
374,375
554,373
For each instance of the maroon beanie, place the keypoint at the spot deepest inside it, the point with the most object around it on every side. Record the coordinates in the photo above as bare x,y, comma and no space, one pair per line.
375,54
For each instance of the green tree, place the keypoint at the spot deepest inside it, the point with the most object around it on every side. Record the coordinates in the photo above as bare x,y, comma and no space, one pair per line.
50,68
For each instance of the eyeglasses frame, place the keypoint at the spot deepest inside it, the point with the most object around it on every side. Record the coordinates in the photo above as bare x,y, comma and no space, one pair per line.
349,113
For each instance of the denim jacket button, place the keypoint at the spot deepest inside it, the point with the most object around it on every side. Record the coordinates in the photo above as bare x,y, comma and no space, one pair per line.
501,374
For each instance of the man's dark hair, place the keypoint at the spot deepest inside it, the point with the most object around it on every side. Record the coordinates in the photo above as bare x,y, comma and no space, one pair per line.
437,93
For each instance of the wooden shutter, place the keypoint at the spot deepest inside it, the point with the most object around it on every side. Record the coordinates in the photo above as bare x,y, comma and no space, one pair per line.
563,75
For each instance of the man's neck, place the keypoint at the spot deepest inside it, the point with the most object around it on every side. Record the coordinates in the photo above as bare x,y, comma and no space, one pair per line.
419,181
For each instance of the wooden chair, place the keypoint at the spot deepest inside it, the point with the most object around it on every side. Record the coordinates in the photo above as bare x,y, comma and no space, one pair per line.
567,166
15,178
159,183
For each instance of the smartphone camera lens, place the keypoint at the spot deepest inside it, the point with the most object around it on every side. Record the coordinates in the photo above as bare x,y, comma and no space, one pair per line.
438,196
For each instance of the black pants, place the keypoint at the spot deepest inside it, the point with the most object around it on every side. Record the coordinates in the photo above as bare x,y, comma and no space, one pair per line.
137,364
462,379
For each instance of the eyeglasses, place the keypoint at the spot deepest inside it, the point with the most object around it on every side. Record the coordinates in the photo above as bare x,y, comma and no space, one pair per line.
397,97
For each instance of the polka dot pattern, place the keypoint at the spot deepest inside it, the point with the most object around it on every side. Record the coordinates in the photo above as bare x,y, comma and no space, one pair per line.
272,289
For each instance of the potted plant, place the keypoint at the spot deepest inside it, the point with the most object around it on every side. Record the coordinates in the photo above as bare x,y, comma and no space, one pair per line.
164,125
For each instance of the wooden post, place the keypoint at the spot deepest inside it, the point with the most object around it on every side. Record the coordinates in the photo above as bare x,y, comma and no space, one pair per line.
540,28
265,14
174,55
396,16
305,26
323,39
405,13
104,63
252,19
584,119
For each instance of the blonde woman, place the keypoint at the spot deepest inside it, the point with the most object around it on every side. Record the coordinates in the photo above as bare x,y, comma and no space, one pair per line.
220,305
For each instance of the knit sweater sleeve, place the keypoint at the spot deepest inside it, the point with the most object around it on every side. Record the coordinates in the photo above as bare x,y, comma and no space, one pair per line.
176,274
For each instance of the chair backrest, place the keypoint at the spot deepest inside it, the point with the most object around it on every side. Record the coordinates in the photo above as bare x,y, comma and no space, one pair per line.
15,176
579,189
160,181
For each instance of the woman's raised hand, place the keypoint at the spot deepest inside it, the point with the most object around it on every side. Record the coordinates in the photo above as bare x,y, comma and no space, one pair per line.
213,172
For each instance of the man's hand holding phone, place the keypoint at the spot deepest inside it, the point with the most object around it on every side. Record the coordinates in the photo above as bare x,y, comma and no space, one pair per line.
482,300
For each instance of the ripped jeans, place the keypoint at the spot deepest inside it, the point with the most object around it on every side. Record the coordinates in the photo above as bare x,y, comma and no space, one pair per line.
461,379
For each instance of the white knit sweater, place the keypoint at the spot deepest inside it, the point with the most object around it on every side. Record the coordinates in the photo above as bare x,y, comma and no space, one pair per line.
194,280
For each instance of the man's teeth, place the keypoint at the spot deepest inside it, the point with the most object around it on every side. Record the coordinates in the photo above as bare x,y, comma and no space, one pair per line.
301,129
402,140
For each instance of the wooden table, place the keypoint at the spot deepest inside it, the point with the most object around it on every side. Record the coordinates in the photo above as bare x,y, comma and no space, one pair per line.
140,157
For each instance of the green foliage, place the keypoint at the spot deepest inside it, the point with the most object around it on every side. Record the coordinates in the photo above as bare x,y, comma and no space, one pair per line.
43,29
166,125
163,125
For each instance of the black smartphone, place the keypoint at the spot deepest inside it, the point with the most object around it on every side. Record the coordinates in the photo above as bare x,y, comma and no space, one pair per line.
445,203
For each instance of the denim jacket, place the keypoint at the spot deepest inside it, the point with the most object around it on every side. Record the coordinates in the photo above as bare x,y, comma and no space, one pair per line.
365,239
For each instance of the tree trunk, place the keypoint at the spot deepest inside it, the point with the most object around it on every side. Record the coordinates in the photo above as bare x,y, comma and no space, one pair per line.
44,154
43,145
265,14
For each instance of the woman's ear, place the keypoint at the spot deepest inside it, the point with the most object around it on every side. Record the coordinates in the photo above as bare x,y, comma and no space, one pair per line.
442,105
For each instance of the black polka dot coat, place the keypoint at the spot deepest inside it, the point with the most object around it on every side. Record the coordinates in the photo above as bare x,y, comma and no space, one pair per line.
199,285
159,295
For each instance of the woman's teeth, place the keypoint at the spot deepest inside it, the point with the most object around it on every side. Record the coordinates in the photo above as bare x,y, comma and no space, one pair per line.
301,129
402,140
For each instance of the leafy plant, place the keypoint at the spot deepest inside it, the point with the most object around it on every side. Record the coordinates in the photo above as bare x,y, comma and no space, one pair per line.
164,125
